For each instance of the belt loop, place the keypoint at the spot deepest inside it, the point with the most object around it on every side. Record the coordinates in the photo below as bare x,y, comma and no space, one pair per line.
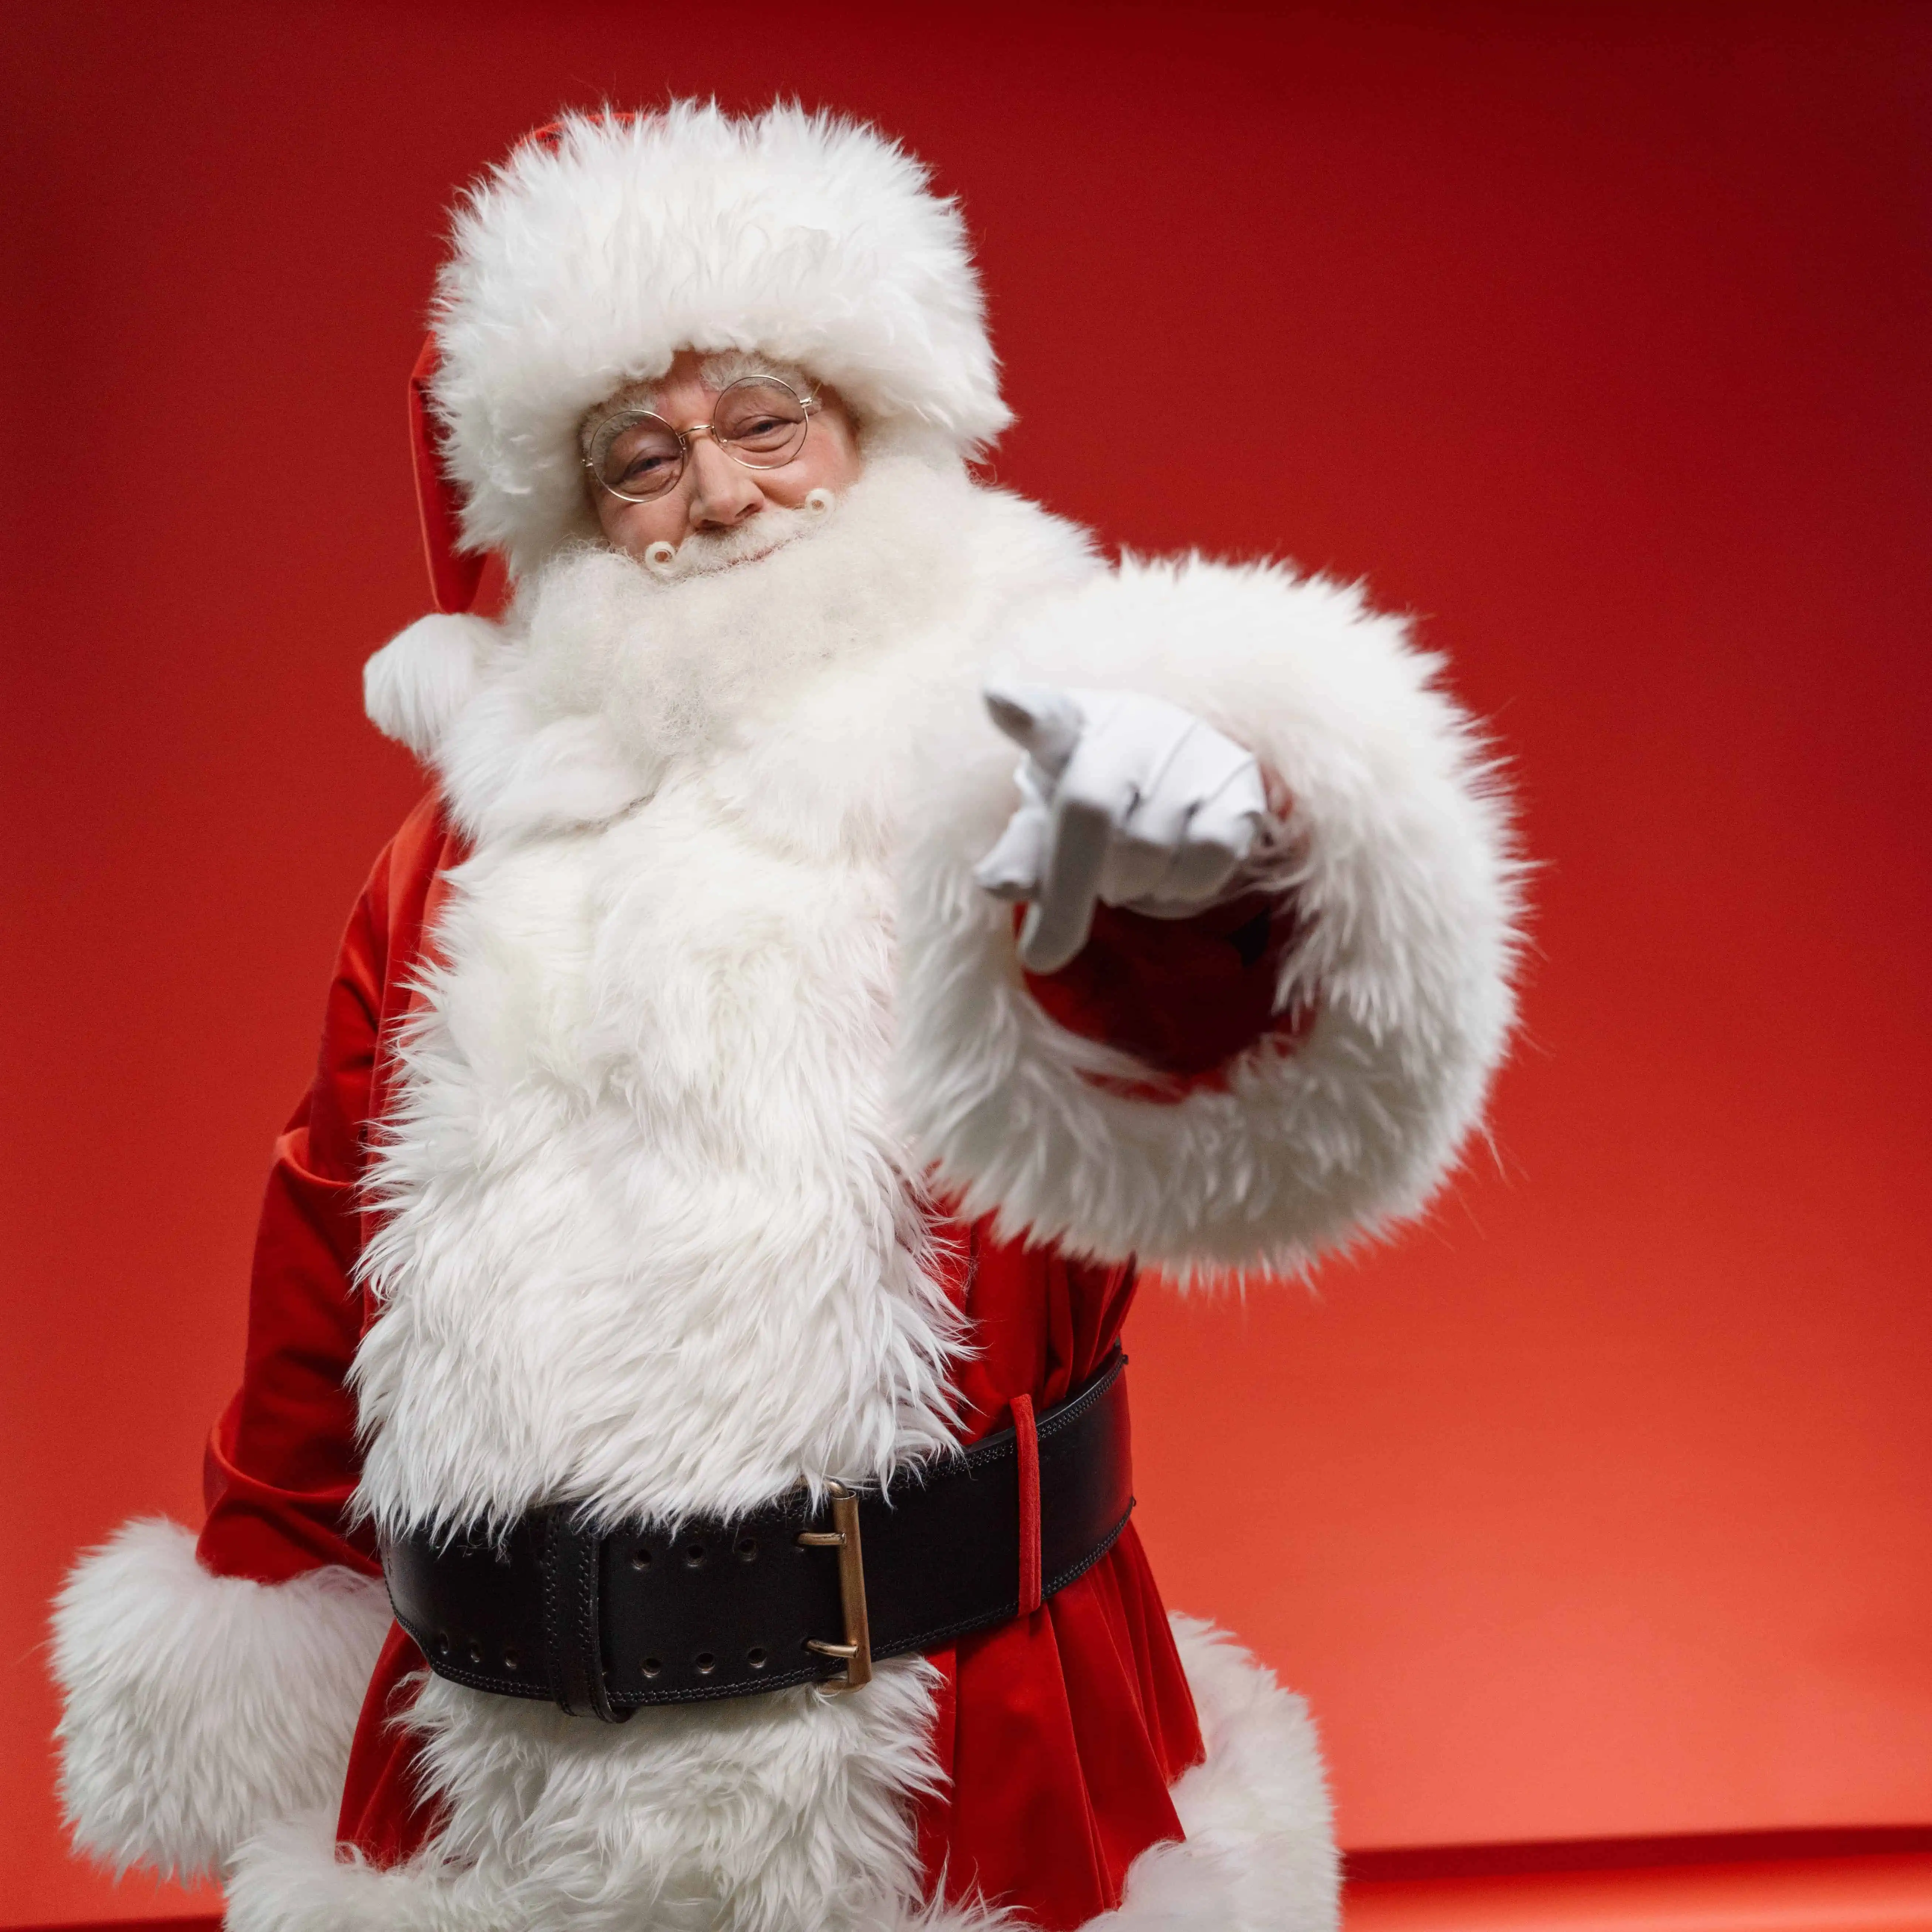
1026,1439
573,1635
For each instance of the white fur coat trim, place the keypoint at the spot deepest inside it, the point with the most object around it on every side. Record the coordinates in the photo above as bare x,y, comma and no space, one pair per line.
1397,855
1259,1856
583,265
200,1708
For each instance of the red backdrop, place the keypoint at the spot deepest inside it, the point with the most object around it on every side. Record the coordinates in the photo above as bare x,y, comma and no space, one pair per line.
1598,1506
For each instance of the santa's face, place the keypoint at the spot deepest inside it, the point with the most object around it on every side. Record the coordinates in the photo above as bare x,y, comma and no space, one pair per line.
717,500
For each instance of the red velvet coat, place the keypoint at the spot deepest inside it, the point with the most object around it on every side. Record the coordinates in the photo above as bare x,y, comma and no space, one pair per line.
1061,1731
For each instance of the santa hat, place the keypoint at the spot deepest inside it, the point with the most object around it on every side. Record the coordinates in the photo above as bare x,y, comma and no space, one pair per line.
607,242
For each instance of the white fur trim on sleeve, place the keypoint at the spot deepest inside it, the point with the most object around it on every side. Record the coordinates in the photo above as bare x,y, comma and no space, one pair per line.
418,685
1398,858
200,1708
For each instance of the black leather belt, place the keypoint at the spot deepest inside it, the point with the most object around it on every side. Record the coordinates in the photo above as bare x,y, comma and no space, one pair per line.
602,1623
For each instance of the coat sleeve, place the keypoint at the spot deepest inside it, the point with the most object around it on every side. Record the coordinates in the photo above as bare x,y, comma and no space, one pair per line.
1187,999
1249,1089
212,1685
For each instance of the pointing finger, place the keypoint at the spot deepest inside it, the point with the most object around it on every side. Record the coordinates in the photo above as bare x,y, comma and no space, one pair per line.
1059,921
1095,794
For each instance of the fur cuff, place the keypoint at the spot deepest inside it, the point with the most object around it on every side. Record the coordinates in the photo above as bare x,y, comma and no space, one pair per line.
1397,854
1260,1850
200,1708
417,685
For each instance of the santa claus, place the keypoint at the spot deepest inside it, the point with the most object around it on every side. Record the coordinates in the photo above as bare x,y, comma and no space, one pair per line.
681,1477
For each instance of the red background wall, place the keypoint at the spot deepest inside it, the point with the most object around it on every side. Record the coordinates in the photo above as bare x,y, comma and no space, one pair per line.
1598,1506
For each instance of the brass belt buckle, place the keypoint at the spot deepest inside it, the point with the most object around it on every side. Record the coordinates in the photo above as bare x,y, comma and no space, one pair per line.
856,1650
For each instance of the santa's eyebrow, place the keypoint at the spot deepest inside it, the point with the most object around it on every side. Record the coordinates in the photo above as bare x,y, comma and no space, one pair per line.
734,365
634,396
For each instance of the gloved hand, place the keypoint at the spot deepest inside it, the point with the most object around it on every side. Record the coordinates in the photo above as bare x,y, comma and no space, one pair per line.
1124,798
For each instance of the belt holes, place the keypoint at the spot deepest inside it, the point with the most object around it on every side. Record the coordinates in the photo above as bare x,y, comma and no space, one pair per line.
475,1650
694,1555
755,1657
748,1550
653,1666
442,1643
511,1661
706,1663
640,1557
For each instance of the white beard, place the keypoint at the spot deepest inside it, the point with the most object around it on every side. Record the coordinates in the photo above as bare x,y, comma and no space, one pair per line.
681,663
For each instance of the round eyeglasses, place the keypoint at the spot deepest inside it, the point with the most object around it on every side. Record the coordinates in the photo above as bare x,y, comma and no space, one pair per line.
758,420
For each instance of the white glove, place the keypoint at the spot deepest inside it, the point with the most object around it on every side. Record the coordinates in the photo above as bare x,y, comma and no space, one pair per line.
1123,798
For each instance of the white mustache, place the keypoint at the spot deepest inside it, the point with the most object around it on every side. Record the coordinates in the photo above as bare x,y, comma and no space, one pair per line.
704,552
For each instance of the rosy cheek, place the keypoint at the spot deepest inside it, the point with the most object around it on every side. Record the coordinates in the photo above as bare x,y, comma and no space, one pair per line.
838,460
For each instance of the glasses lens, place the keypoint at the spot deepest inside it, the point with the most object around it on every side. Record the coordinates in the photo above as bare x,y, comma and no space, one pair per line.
762,421
637,457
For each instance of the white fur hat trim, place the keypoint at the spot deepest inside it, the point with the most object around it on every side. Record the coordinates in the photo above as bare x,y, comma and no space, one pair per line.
603,246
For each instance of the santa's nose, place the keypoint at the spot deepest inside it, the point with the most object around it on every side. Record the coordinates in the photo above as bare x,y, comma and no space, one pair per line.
723,493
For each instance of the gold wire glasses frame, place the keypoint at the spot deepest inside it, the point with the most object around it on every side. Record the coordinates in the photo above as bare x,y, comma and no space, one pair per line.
758,421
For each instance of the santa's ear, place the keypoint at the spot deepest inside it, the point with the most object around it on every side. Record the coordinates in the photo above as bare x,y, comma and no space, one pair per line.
414,687
454,574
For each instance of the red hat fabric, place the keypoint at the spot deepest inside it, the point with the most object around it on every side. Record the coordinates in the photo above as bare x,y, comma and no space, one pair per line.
454,573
